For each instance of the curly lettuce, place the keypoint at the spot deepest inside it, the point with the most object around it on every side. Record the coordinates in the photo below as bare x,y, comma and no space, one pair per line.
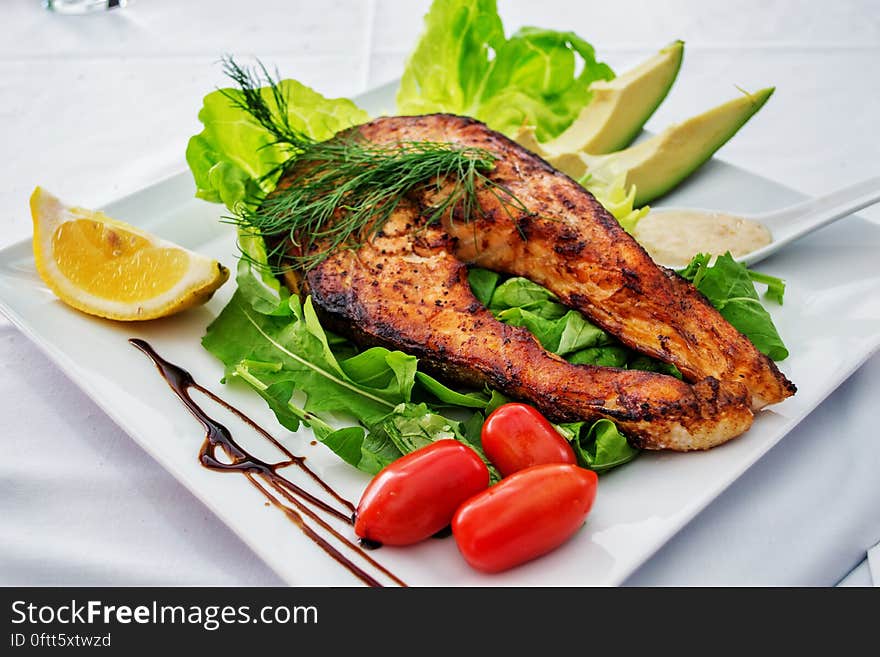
618,199
464,64
232,155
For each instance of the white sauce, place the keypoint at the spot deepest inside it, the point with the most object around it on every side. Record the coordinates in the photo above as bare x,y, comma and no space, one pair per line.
672,238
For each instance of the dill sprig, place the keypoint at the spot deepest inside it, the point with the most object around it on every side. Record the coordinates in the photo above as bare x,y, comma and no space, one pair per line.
348,186
276,121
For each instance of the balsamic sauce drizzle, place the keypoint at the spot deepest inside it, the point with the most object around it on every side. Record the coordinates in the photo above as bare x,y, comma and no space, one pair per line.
264,476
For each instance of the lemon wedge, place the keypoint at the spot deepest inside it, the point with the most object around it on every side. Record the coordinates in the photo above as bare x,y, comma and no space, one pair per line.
108,268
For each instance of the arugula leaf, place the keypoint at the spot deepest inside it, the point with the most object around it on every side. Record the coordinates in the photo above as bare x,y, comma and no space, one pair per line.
413,426
775,286
231,156
348,444
367,451
452,397
599,446
366,386
464,64
276,345
728,286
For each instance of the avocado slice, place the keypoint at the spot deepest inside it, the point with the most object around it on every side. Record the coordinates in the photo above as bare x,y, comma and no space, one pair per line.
617,110
658,164
661,162
620,107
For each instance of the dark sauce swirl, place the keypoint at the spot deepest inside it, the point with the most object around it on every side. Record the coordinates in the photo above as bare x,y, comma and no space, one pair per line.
297,503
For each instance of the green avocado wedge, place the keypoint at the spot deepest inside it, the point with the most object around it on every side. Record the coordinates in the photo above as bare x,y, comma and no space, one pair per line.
659,163
620,107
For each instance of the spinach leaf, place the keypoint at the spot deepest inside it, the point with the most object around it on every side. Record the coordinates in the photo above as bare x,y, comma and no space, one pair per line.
578,333
522,293
546,331
598,446
518,301
648,364
483,283
606,356
413,426
728,286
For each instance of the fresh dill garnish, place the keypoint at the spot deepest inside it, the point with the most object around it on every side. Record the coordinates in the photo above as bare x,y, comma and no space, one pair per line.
349,187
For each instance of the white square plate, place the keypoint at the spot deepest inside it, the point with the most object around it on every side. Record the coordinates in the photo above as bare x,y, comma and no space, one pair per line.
830,322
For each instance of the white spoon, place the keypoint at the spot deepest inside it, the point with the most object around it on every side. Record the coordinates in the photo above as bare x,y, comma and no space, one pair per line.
788,224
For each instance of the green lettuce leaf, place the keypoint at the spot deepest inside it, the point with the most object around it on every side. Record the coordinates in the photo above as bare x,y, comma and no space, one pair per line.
464,64
617,199
729,287
256,281
231,156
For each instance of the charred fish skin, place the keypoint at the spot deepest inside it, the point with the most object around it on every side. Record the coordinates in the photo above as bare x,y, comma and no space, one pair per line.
406,291
567,242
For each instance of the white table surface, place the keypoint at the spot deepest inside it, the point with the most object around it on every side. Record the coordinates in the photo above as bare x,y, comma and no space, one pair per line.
94,107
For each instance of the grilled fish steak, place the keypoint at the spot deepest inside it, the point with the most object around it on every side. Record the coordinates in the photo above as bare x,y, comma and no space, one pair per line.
407,289
571,245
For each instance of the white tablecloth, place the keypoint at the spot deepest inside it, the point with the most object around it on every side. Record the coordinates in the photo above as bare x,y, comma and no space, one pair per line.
97,106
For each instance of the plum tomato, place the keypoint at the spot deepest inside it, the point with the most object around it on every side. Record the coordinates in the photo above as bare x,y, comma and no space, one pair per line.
416,496
527,514
517,436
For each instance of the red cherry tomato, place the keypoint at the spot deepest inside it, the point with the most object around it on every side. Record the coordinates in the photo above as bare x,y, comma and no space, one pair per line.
416,496
524,516
517,436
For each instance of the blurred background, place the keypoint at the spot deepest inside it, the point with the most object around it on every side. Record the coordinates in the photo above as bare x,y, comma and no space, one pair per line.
97,106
